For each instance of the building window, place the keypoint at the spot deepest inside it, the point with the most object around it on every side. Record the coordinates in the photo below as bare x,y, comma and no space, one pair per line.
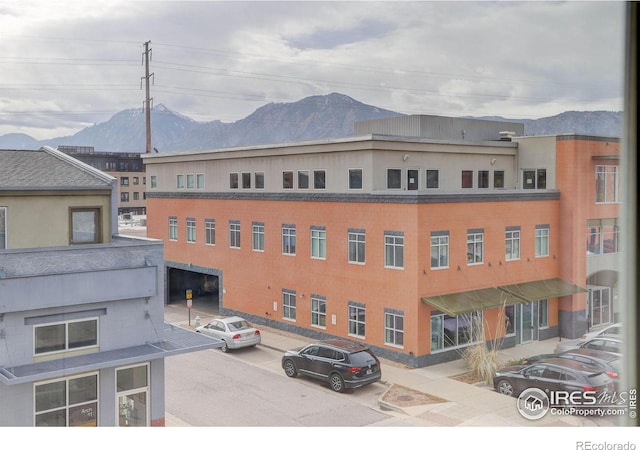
475,246
67,402
394,328
602,236
136,196
124,197
357,319
439,249
542,240
356,243
467,179
234,233
246,180
355,178
289,239
448,332
191,181
233,180
136,180
432,179
318,311
191,230
394,178
200,181
303,179
287,179
180,181
394,249
65,336
607,184
132,386
259,180
543,313
483,179
534,179
3,227
124,181
173,228
257,231
209,232
85,225
318,242
498,179
154,181
512,243
288,304
144,180
319,179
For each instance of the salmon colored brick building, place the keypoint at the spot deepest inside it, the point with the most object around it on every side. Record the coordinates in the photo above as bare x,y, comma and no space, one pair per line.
402,236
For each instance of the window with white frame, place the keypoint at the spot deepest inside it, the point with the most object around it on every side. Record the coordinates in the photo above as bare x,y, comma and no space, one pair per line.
394,327
394,178
455,331
432,179
191,181
394,249
67,402
132,390
3,227
534,179
154,182
257,233
542,240
512,243
607,184
357,245
246,180
439,249
303,179
318,242
180,181
258,180
602,236
357,319
483,179
288,239
173,228
86,225
475,246
319,179
234,233
355,178
191,230
288,304
65,336
200,181
287,179
318,310
498,179
233,180
209,231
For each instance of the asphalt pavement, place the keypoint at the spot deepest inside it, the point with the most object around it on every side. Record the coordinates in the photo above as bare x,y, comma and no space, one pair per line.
430,394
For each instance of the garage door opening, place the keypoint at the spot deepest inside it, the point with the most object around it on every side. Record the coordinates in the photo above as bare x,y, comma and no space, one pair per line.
204,289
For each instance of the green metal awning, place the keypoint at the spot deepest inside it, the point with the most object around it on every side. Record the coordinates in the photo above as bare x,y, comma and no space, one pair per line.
539,290
468,301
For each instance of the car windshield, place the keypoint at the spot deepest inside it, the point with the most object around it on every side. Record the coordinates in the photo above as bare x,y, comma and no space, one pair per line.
239,325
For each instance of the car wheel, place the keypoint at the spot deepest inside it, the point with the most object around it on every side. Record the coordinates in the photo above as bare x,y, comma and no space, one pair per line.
225,347
290,369
505,387
336,382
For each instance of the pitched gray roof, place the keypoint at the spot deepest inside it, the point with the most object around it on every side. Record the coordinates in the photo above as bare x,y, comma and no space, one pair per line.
47,169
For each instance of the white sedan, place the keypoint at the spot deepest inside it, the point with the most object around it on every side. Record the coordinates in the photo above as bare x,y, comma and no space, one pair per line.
234,331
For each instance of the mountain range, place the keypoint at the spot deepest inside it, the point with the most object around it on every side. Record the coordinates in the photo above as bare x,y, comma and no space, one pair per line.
315,117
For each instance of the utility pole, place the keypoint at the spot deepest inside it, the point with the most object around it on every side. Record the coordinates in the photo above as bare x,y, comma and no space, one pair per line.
148,100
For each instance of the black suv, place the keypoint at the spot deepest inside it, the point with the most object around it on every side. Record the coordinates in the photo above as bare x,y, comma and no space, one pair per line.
343,364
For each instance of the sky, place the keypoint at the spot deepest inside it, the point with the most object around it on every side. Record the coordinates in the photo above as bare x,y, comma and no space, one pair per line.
68,65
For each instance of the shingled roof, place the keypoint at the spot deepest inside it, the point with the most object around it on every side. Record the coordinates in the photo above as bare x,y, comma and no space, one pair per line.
48,169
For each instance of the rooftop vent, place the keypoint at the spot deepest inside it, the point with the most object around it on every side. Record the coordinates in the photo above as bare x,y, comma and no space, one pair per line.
507,135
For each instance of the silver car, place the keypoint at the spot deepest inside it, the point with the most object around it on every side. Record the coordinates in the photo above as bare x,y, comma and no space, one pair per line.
603,343
234,331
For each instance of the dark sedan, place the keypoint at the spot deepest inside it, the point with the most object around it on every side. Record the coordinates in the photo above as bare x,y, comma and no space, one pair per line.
553,374
343,364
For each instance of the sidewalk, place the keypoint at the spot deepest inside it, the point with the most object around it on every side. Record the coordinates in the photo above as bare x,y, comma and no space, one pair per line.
430,394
